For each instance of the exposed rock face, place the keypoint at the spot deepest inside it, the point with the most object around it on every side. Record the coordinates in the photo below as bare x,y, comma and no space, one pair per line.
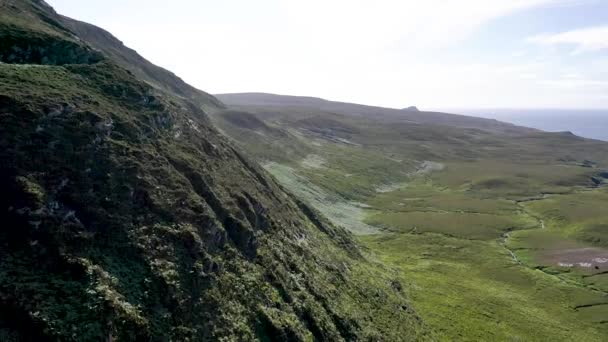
127,216
411,109
43,49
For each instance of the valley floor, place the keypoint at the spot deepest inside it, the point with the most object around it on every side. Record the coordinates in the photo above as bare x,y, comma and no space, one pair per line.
518,287
494,232
481,267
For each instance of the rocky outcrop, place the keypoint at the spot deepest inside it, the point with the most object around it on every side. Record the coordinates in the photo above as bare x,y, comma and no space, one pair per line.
18,47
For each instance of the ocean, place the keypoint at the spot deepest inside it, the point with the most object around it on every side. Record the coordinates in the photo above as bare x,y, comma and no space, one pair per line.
591,124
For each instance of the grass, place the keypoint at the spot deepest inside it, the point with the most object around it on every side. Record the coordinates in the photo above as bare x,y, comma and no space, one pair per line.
574,234
472,290
340,211
465,240
513,180
420,206
462,225
423,197
356,173
579,215
599,281
443,237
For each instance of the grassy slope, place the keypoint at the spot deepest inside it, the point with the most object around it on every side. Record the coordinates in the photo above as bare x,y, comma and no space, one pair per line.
127,216
473,290
450,231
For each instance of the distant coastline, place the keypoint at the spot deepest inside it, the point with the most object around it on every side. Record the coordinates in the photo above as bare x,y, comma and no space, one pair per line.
586,123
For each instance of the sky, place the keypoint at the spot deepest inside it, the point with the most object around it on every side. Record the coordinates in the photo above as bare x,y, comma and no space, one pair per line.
393,53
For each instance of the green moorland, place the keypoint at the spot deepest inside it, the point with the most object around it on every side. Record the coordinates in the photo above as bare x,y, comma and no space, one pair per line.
497,232
128,216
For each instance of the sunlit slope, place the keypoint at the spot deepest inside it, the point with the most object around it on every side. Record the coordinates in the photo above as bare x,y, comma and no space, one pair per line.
498,229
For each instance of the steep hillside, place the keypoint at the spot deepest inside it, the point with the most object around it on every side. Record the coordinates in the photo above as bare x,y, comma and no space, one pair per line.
127,216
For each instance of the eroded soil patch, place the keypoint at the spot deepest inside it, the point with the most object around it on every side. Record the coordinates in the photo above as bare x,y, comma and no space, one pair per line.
590,257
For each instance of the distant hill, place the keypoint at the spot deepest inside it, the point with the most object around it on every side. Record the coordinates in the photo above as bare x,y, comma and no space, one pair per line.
351,109
265,99
411,109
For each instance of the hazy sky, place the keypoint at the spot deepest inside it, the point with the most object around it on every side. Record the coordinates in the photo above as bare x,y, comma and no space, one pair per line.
431,53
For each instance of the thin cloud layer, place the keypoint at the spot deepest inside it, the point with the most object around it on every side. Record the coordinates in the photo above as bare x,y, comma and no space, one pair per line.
584,40
430,23
433,53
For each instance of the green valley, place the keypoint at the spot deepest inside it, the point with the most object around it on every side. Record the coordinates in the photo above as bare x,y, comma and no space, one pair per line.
136,207
497,234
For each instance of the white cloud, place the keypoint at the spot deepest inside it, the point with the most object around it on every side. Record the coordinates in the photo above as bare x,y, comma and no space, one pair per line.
419,24
577,84
584,40
382,52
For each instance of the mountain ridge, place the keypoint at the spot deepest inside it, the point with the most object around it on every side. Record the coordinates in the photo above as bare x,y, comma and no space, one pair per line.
368,111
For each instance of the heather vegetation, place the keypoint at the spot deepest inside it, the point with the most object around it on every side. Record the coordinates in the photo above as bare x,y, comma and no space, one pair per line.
497,234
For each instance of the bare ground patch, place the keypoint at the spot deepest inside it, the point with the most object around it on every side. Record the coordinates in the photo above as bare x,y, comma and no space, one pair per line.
589,257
